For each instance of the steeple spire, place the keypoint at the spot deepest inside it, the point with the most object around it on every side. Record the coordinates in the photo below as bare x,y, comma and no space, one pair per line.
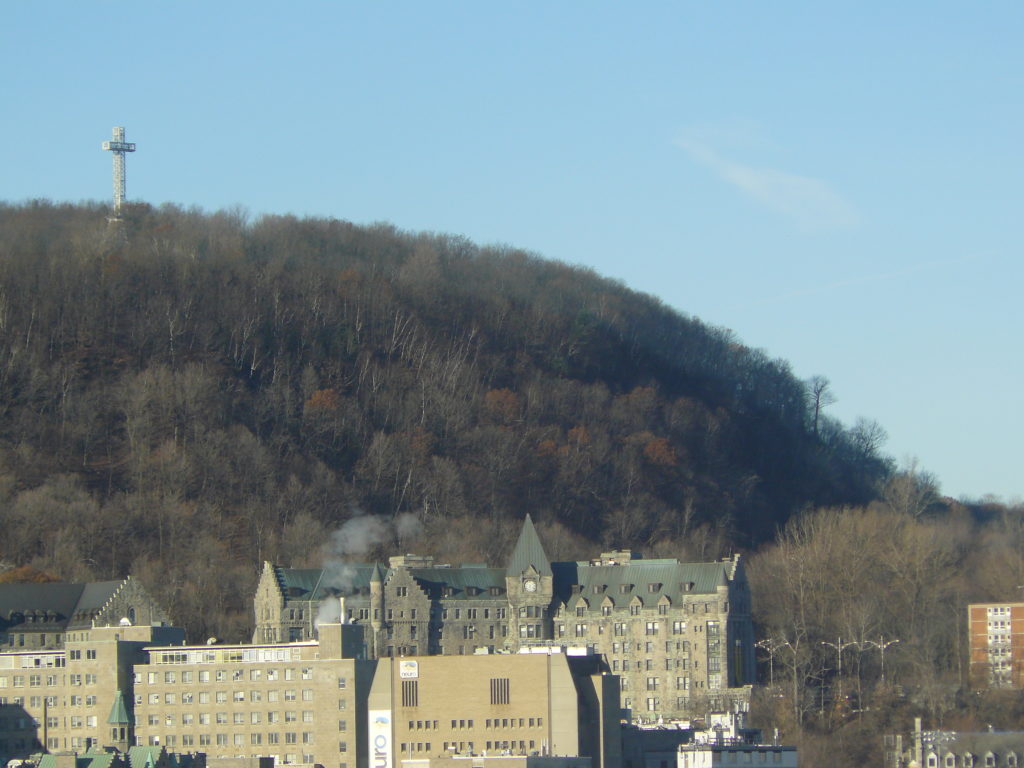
528,552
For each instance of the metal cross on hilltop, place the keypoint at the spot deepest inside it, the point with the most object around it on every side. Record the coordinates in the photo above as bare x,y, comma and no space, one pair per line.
118,146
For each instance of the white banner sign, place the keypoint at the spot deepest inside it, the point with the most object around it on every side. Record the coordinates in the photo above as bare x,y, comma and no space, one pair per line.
380,738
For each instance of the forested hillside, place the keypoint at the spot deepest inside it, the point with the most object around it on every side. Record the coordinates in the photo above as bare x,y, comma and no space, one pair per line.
185,390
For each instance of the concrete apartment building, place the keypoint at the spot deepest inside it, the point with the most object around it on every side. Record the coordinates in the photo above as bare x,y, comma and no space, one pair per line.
679,635
77,696
996,644
311,702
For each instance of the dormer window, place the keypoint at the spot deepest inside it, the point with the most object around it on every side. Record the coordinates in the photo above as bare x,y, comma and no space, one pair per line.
625,588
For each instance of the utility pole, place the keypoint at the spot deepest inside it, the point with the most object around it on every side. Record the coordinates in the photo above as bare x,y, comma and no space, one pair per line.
118,146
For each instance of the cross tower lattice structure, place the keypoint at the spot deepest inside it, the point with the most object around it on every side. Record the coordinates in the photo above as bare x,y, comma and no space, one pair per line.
118,146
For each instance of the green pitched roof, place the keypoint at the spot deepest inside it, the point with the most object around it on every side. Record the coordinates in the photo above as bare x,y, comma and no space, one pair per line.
376,575
118,712
144,756
648,580
528,552
469,583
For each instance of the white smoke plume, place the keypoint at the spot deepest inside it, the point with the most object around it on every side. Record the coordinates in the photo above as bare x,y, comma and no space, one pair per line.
348,544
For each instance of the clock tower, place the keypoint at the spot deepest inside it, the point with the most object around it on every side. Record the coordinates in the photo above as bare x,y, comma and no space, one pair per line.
529,583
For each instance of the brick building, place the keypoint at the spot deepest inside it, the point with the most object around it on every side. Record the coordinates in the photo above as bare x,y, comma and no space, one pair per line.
996,637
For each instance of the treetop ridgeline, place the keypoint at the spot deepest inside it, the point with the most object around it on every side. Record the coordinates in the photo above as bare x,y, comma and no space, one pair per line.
187,386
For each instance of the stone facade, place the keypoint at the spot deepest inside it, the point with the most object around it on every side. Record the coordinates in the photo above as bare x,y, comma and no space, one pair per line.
680,635
44,616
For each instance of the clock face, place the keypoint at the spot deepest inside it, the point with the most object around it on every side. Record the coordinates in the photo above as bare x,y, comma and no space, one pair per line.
530,585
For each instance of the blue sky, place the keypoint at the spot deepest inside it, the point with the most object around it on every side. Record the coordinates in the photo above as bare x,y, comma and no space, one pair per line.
838,183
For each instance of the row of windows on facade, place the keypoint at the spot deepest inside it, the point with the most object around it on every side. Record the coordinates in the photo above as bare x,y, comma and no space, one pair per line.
682,683
237,718
648,665
237,739
968,760
226,655
36,681
508,745
525,612
221,697
497,722
653,703
52,702
228,675
636,608
622,629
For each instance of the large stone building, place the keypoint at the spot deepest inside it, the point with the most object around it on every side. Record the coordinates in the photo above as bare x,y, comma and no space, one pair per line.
45,616
678,634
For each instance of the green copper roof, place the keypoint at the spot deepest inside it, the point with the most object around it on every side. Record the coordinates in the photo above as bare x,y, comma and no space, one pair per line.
118,712
528,552
144,757
648,580
376,575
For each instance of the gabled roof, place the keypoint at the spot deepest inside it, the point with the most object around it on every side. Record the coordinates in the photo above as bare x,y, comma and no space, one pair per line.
465,582
648,580
528,551
54,606
144,756
94,758
316,584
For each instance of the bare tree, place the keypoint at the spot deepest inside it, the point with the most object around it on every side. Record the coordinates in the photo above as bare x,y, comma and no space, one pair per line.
819,397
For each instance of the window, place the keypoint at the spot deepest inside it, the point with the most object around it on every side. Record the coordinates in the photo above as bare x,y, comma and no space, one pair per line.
410,693
500,693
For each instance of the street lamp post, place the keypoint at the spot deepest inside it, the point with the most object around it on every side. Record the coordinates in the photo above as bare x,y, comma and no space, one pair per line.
839,647
881,645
